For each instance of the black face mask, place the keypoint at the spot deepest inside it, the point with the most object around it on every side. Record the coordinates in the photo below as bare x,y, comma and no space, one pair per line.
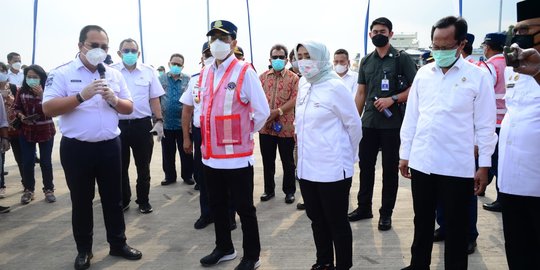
379,40
525,41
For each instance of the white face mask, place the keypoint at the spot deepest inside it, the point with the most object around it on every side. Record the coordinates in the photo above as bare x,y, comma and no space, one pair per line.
341,69
3,77
308,67
95,56
208,61
16,65
220,50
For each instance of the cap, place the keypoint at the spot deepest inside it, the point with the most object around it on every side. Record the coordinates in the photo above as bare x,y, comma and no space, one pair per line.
383,21
224,26
205,47
528,9
238,51
470,39
496,38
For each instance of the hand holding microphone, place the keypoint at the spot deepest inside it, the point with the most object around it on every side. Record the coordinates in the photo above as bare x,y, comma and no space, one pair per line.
96,87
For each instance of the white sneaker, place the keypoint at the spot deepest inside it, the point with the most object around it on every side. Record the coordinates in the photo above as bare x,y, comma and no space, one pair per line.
2,193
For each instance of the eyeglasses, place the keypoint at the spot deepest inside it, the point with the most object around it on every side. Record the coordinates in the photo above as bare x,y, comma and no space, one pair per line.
274,57
176,64
523,29
104,47
130,50
437,48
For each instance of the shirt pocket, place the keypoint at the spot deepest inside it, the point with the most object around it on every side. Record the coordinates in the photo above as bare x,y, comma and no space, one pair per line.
462,97
228,129
75,87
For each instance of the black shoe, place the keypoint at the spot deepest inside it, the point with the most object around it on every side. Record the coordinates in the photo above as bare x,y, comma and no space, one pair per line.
438,236
189,181
408,268
494,206
267,196
196,187
218,256
471,246
385,223
4,209
167,182
145,208
82,261
246,264
359,215
202,222
125,207
322,267
289,198
126,252
6,173
300,206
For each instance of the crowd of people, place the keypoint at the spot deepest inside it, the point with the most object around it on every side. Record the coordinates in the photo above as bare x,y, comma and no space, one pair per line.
451,126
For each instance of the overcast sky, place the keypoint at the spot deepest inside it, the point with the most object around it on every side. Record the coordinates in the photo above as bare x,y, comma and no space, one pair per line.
179,26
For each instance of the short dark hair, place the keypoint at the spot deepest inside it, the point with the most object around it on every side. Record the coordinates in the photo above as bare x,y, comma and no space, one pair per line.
11,55
88,28
291,56
39,71
176,55
382,21
342,51
279,47
3,67
494,46
468,49
128,40
458,22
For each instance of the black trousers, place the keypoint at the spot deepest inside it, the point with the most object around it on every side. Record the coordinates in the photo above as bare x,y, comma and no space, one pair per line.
137,137
174,139
372,140
198,172
521,223
238,184
454,194
327,205
84,164
268,144
494,169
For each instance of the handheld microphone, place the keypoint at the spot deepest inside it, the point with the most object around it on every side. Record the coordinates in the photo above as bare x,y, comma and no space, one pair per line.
101,70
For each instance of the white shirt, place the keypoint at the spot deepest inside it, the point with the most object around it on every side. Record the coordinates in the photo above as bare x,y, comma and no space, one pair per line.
350,79
93,120
188,98
328,130
143,84
16,78
251,92
519,144
444,114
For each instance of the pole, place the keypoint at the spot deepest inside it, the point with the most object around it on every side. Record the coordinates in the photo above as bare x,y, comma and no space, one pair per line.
34,33
140,31
500,14
249,29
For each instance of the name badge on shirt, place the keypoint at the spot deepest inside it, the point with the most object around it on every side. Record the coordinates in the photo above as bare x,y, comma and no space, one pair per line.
385,85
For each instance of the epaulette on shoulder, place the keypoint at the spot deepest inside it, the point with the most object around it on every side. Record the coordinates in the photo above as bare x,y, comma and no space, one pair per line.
62,65
195,75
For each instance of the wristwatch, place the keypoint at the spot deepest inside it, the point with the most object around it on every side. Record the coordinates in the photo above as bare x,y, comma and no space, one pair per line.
280,111
395,98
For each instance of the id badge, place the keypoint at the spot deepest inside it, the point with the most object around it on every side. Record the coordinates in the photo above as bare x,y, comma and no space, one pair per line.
385,85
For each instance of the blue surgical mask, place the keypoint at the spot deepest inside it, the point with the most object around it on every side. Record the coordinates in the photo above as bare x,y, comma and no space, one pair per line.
129,59
3,77
32,82
161,73
444,58
176,70
278,64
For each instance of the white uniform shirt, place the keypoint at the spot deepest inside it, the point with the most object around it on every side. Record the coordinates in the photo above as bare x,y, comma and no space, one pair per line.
328,130
188,98
251,92
143,84
93,120
444,114
519,144
350,79
16,78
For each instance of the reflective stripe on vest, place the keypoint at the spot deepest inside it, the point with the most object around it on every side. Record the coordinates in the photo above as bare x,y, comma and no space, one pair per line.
228,125
500,90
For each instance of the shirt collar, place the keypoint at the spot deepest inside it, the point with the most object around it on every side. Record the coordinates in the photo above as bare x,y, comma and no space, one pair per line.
225,64
458,64
278,73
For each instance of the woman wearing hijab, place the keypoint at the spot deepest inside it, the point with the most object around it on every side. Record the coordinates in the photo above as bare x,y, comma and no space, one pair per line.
36,128
328,130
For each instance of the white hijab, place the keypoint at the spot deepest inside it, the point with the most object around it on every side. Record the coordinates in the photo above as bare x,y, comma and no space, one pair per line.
319,53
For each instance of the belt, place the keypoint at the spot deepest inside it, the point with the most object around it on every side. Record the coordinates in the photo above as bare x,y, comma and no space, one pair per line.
133,121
